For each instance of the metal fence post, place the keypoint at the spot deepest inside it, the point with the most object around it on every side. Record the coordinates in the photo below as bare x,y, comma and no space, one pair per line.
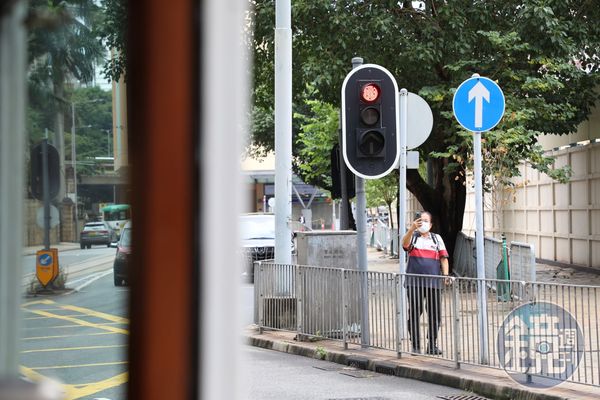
261,298
344,308
532,263
456,319
299,305
399,316
256,269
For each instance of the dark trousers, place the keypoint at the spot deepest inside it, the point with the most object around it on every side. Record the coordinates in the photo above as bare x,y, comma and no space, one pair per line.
417,296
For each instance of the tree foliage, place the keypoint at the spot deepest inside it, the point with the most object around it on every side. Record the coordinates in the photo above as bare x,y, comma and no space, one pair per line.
63,49
113,33
93,124
543,54
383,191
318,134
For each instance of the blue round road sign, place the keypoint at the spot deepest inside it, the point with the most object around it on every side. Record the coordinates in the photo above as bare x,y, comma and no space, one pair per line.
478,104
45,260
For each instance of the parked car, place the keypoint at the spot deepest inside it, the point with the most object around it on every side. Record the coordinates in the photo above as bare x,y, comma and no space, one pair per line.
258,241
121,264
96,233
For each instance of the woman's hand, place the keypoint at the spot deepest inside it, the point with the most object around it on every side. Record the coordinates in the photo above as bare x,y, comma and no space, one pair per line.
416,224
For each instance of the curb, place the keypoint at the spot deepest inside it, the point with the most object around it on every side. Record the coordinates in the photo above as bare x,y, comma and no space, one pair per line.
33,252
488,389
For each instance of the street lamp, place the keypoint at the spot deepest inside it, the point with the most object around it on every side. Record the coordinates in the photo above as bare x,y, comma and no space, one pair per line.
108,132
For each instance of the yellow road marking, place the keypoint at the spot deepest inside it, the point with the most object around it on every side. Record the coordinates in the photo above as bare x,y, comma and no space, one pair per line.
80,390
77,392
31,374
68,315
73,348
67,336
80,365
98,314
81,322
34,302
29,328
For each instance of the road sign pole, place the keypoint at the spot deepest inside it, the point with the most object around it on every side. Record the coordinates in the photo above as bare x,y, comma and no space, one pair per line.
481,289
478,106
403,99
46,194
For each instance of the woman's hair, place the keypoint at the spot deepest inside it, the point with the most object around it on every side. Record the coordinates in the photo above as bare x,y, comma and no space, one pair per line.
428,213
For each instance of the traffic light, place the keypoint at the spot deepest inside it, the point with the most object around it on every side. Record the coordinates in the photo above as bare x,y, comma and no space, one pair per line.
37,171
336,176
370,121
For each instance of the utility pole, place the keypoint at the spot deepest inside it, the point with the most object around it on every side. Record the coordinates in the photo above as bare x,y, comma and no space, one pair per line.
283,131
74,167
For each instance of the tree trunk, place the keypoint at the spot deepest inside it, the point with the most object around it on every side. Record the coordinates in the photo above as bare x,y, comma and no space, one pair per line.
445,201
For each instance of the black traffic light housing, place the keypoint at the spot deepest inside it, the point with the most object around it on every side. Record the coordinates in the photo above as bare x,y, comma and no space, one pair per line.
370,121
336,175
37,171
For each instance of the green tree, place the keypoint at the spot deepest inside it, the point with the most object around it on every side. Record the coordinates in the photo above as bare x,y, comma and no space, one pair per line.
93,125
113,33
543,53
383,191
61,51
318,134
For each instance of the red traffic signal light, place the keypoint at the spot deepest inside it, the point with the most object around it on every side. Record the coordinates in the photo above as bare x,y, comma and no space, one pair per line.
370,93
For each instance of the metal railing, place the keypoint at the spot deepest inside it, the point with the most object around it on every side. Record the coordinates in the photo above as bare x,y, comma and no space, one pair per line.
441,317
521,258
521,255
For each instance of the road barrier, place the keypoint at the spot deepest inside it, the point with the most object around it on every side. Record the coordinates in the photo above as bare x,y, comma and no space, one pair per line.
540,333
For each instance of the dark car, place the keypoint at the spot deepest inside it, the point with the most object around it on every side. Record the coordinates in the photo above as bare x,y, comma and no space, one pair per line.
96,233
121,264
258,241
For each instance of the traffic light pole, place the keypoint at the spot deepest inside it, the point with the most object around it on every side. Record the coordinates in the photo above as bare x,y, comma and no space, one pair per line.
403,100
361,244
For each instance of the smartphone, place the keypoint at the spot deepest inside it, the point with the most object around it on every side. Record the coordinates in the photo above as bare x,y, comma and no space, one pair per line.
418,215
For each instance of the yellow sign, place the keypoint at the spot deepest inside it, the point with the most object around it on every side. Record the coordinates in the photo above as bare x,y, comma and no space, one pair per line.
46,266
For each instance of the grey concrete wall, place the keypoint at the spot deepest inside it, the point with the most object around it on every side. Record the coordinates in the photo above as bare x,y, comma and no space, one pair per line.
327,249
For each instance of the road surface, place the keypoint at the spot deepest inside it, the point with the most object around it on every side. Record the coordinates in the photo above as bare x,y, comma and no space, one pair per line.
274,375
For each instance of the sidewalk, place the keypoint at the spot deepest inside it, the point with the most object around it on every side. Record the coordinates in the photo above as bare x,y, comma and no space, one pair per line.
489,382
62,246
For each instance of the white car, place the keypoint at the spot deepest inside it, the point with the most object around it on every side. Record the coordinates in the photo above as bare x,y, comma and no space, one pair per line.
258,241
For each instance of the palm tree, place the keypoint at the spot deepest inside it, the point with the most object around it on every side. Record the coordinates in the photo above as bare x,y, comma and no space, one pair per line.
64,47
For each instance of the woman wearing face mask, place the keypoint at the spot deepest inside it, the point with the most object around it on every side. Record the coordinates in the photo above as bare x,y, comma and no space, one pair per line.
427,255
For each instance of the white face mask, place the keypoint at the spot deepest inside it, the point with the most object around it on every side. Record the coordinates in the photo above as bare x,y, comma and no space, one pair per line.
425,227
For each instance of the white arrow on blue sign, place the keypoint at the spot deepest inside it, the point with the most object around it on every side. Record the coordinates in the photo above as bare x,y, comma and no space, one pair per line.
478,104
45,260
